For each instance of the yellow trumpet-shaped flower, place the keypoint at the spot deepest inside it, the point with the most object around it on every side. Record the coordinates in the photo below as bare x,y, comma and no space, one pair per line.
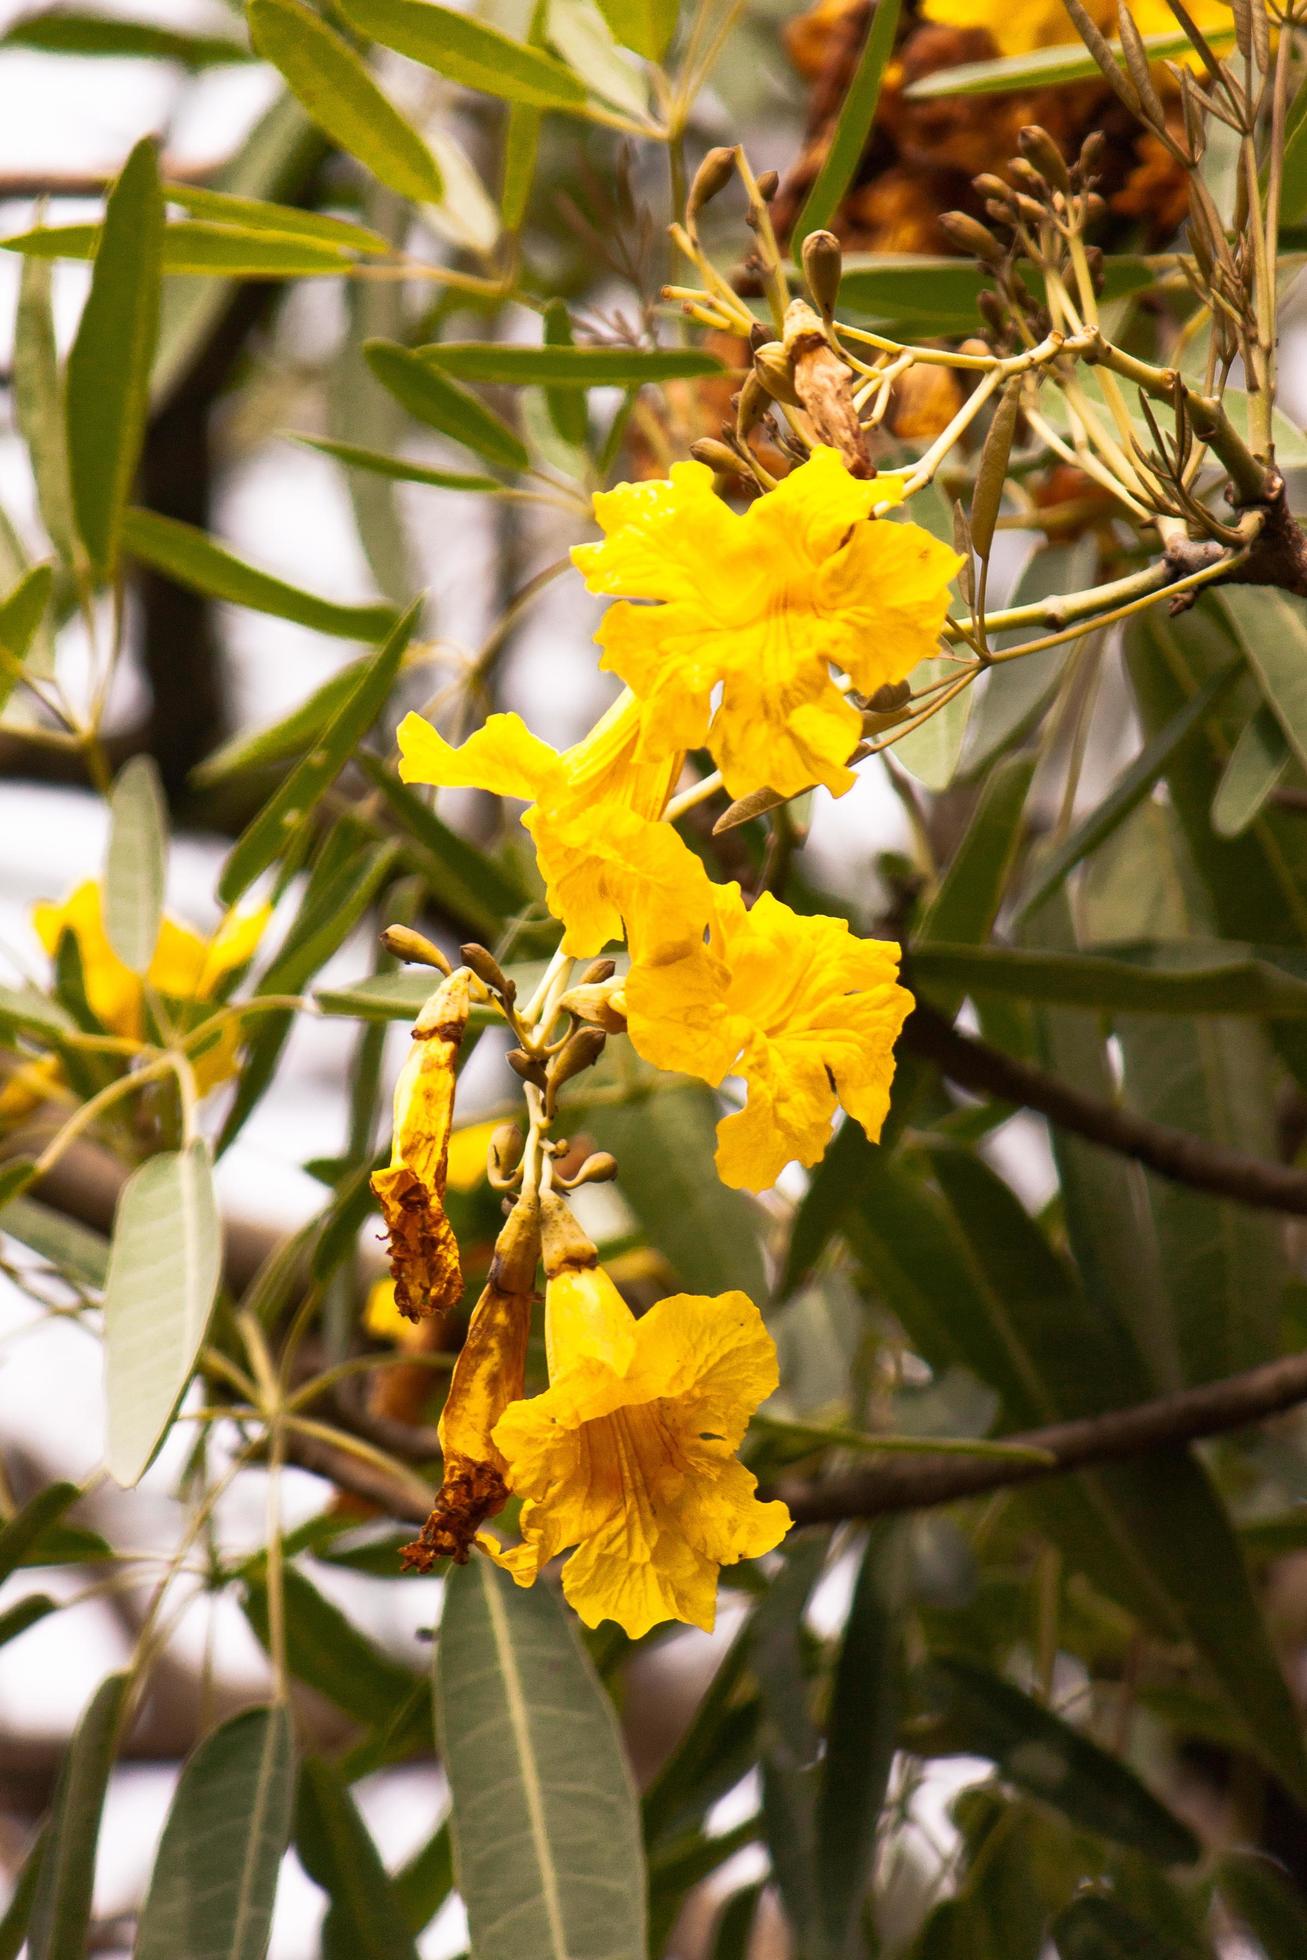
488,1376
762,605
185,967
798,1005
629,1455
606,860
424,1262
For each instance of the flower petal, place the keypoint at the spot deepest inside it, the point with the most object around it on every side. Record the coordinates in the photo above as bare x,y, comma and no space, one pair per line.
502,756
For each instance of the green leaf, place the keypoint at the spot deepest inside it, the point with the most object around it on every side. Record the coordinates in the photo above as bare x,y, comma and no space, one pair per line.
215,1876
282,818
1257,763
567,411
164,1266
1050,67
566,366
285,220
982,1715
1293,189
21,613
25,1613
21,1532
18,1912
1096,1926
1015,693
39,405
80,1254
861,1735
136,866
327,1652
335,87
1128,791
365,1921
192,558
546,1828
1162,977
467,51
426,394
937,295
283,740
109,364
70,30
848,138
578,31
644,26
378,997
967,902
193,245
61,1909
664,1143
1271,630
931,753
426,1881
397,468
1261,1895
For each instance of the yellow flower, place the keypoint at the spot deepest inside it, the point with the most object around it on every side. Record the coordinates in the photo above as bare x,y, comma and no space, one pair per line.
184,968
488,1376
605,859
424,1262
629,1455
1020,26
762,605
805,1011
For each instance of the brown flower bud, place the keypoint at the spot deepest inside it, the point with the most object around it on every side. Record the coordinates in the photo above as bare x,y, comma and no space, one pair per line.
772,366
823,265
712,176
505,1153
768,185
526,1066
579,1052
719,456
487,968
594,1005
598,971
415,948
1039,150
601,1168
972,236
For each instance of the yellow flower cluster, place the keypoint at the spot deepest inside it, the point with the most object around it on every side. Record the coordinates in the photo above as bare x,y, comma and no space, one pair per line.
748,634
742,619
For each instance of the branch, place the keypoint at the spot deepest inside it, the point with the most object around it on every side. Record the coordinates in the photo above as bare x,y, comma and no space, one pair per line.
916,1483
1171,1153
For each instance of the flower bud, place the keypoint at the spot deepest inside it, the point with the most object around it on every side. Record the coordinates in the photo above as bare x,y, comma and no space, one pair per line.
598,971
579,1052
772,366
719,456
505,1153
487,968
712,176
972,236
526,1066
600,1168
594,1005
415,948
892,695
1039,150
768,185
823,265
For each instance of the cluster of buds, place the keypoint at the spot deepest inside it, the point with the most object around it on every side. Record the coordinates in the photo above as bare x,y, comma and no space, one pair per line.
1039,213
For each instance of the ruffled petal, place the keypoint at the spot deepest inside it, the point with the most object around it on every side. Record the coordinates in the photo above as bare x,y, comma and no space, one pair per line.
502,756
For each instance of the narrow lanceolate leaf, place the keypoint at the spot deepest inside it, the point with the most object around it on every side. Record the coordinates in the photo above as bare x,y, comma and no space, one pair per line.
399,469
1257,762
1271,629
644,26
281,818
467,51
61,1909
365,1920
286,220
39,404
978,1713
71,30
546,1828
21,1532
339,93
566,366
164,1266
21,613
215,1876
852,127
109,365
136,866
442,405
1049,67
198,246
194,559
